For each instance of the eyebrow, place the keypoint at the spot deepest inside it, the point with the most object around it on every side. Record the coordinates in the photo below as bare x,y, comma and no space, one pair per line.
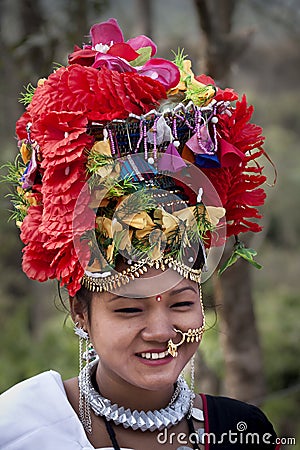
132,296
184,288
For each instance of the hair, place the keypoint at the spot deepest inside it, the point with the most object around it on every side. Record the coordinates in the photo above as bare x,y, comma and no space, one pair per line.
84,296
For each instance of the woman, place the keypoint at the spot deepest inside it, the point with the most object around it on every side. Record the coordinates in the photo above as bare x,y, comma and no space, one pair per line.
128,162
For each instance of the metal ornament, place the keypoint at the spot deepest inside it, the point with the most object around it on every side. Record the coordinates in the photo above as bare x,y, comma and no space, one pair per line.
197,414
156,420
191,335
80,332
192,385
84,409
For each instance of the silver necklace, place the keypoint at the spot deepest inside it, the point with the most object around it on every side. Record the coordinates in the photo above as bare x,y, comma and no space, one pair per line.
156,420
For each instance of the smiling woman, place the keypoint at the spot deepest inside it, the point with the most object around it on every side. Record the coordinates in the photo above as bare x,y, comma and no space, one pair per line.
128,166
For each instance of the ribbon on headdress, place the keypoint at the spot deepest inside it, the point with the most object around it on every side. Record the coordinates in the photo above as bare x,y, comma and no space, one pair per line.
230,155
203,155
171,160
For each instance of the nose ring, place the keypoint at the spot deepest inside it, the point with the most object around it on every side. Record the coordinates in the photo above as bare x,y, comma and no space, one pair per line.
191,335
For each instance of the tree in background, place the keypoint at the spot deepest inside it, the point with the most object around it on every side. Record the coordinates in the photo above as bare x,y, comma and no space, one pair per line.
271,75
239,339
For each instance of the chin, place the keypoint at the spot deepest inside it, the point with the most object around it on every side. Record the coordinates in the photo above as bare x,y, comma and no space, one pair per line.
158,381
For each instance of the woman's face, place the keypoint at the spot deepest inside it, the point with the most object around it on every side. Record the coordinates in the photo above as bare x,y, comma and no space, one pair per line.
130,330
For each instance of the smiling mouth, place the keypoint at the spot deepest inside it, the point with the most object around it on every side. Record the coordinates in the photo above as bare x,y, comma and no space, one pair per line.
154,355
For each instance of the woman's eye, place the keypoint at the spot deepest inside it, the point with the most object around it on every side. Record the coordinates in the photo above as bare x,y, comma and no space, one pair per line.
182,304
128,310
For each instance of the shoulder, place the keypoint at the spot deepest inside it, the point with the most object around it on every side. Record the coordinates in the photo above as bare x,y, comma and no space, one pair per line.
243,419
33,391
32,409
232,406
27,391
29,400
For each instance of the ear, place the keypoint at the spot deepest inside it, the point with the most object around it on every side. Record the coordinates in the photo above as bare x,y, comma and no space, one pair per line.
78,312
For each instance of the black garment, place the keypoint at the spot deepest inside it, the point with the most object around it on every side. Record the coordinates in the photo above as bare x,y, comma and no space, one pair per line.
232,424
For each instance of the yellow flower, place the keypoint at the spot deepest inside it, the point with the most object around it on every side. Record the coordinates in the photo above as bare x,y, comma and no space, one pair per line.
41,81
142,222
158,241
187,216
214,214
25,153
122,236
101,148
31,199
105,226
166,220
201,94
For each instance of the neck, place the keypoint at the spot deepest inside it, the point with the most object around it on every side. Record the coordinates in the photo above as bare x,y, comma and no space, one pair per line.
129,396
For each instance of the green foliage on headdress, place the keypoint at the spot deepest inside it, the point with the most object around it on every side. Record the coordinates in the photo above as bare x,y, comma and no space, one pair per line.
26,97
240,251
179,58
14,172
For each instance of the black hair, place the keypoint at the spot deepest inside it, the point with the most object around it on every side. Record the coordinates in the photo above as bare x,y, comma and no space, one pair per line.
84,296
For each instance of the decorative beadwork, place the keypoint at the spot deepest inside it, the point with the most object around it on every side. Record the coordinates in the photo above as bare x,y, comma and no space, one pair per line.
111,282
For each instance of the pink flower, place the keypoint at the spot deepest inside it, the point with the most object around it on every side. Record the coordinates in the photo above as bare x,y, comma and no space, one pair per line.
108,49
112,63
161,70
107,37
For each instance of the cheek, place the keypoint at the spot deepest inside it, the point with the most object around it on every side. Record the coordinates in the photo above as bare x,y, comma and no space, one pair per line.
191,348
109,339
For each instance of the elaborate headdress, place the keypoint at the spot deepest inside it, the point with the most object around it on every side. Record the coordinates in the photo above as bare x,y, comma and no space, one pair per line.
127,156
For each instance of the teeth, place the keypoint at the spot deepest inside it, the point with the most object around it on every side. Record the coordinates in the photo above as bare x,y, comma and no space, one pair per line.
155,355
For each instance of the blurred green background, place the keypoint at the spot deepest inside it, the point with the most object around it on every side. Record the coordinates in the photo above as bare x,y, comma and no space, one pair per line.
35,334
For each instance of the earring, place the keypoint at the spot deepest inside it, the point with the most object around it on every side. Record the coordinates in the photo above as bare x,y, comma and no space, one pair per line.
84,408
192,386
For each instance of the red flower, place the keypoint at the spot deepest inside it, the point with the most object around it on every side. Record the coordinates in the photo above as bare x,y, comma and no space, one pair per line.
226,94
21,125
36,260
238,185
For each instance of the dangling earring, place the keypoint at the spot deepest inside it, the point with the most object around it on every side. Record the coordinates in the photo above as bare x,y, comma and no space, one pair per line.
84,409
192,385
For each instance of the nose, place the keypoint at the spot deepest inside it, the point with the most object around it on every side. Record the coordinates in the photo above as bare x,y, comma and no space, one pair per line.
158,328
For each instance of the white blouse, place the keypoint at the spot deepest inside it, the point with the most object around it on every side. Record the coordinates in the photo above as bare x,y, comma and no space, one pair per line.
36,415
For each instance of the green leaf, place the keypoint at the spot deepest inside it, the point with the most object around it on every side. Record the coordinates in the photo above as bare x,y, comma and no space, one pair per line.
145,55
230,261
240,251
248,254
